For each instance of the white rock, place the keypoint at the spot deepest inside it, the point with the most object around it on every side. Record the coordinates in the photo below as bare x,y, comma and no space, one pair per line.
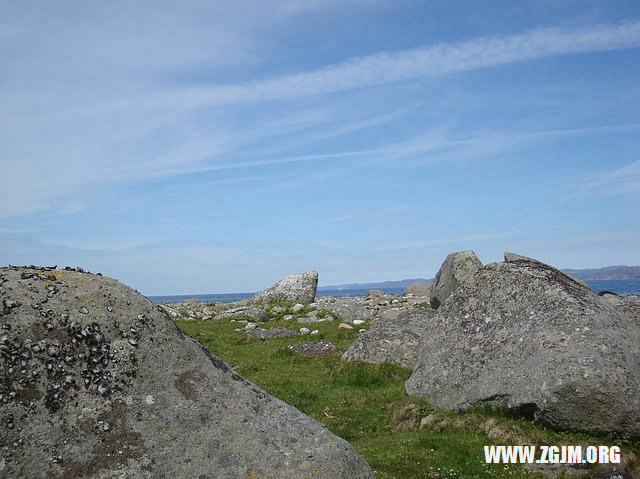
297,307
304,331
358,322
288,317
250,326
344,326
315,331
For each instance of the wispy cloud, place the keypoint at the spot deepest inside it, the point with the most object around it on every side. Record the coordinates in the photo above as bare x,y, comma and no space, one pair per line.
433,242
621,181
368,215
100,244
385,67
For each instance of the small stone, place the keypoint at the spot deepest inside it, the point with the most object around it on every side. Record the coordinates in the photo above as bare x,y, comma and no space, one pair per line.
358,322
314,332
53,351
83,310
304,331
344,326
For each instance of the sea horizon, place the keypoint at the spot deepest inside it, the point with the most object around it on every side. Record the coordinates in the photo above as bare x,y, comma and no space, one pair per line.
618,286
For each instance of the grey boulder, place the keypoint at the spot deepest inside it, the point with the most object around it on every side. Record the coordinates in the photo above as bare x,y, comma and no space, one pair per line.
300,288
393,341
515,258
119,391
526,336
456,268
418,288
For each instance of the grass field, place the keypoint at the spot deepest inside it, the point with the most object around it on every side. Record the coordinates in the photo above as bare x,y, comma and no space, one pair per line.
366,405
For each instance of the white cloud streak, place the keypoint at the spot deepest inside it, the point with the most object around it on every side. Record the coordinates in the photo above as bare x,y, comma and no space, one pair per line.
93,140
386,67
439,241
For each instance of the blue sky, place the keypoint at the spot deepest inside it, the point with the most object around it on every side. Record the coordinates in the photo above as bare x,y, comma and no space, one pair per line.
202,146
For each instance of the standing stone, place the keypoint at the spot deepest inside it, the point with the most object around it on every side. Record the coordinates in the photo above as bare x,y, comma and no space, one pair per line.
528,337
456,268
300,288
121,392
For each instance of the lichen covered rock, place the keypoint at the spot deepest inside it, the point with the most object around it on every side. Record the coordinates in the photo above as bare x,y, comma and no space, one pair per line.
97,382
454,270
526,336
300,288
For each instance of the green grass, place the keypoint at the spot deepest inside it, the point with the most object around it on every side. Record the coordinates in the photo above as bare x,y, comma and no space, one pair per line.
356,401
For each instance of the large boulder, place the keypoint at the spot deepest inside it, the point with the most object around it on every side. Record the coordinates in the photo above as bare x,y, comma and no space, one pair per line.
394,341
299,288
97,382
526,336
456,268
419,288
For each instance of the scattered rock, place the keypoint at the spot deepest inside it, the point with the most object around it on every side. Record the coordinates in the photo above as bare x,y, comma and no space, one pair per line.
300,288
101,407
260,333
255,314
526,336
344,326
456,268
375,293
347,309
297,308
318,348
307,319
304,331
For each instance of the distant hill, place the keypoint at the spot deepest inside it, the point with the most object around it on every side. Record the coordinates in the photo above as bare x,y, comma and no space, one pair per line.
401,283
608,272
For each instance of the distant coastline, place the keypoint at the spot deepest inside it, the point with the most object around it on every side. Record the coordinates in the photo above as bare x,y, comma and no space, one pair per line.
618,286
606,273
